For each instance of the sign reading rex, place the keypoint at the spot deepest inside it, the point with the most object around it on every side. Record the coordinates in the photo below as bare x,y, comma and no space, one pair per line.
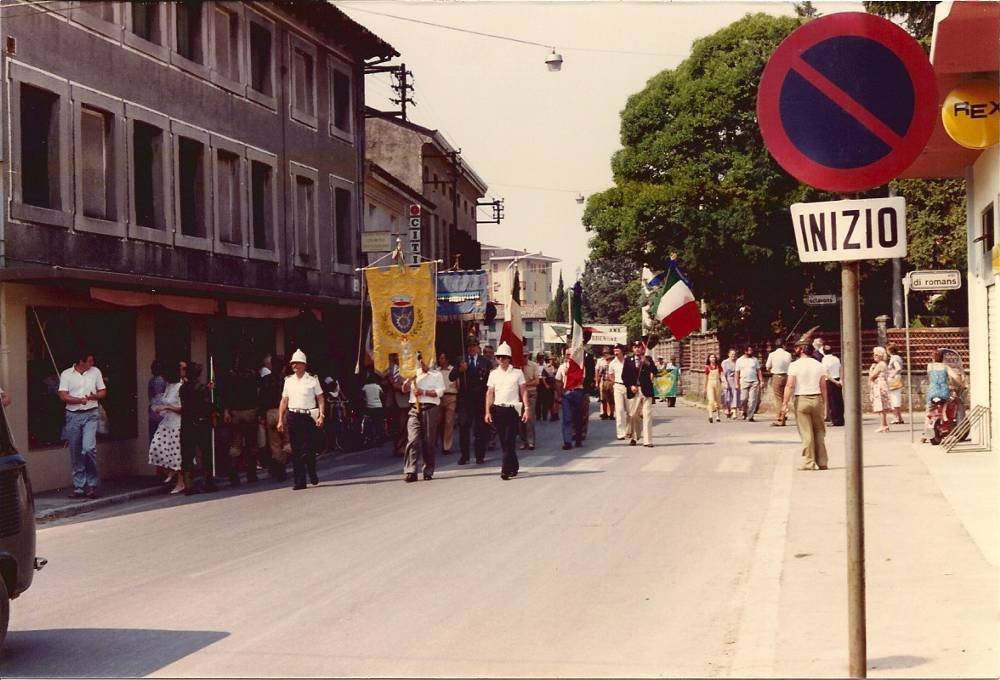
867,229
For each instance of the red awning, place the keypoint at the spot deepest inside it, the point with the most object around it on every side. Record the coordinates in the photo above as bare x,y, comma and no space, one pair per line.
177,303
256,310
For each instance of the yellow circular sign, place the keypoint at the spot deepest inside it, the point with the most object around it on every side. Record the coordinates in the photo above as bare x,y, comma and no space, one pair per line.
971,114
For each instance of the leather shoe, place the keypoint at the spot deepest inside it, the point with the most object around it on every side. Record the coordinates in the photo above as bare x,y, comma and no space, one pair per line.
463,461
298,487
91,493
411,477
504,476
631,442
567,447
428,475
313,479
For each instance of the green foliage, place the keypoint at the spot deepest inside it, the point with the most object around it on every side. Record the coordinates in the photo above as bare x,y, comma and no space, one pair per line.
917,17
806,10
557,308
604,282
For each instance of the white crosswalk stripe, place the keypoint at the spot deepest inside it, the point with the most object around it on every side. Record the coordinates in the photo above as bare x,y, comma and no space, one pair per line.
590,464
663,464
736,464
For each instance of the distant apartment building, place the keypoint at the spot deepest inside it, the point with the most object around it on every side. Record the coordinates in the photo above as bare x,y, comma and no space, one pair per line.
183,180
410,160
532,318
534,272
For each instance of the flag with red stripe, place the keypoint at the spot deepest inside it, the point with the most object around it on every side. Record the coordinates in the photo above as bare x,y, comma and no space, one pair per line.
512,332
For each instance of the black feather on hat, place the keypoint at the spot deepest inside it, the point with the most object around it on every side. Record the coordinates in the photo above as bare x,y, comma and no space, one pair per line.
805,340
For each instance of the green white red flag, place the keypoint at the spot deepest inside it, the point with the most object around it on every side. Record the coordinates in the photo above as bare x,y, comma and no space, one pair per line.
672,303
513,332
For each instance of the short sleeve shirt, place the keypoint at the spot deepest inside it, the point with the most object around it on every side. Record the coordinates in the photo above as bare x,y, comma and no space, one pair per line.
808,374
530,372
778,361
506,386
301,392
431,380
80,385
748,367
373,395
832,366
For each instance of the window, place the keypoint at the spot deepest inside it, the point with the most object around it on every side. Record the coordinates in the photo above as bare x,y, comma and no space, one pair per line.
987,238
303,82
261,60
146,20
191,182
340,104
149,176
528,326
190,34
305,216
103,17
263,204
229,201
342,226
97,164
226,42
40,158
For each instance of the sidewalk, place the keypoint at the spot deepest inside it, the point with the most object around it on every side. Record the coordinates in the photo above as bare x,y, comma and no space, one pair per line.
931,545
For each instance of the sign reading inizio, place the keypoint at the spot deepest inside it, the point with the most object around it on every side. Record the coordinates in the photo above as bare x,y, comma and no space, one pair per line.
850,230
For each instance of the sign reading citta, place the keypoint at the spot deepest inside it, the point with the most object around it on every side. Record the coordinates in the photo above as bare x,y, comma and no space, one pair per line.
867,229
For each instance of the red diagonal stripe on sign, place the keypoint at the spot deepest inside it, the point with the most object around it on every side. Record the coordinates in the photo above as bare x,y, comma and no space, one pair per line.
847,103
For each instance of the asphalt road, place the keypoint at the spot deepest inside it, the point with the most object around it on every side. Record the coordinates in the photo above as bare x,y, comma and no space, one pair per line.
608,560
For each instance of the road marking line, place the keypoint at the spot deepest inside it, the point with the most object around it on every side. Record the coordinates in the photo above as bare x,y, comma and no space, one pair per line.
737,464
757,636
541,462
590,464
663,464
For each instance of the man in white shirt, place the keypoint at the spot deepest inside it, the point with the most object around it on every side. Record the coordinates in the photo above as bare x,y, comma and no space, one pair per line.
80,388
749,378
807,384
835,388
777,365
301,396
616,369
506,404
425,390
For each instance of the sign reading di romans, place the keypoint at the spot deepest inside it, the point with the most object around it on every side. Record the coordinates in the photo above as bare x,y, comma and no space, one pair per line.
946,279
867,229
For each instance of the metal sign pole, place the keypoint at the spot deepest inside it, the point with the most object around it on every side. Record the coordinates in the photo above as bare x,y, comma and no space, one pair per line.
909,364
857,633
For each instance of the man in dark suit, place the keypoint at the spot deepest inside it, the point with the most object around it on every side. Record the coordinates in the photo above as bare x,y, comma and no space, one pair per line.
637,374
471,374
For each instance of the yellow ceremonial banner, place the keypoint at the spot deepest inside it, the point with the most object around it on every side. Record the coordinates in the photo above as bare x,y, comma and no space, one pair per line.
404,315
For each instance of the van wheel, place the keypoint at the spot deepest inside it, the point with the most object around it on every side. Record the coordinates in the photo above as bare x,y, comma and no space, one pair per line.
4,610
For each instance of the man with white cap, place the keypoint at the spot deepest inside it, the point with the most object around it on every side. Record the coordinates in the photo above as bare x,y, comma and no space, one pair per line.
506,405
425,390
300,413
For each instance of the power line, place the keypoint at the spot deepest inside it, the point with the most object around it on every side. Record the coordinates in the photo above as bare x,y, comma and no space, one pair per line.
567,48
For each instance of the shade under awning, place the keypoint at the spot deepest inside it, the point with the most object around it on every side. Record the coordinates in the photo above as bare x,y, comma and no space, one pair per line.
256,310
176,303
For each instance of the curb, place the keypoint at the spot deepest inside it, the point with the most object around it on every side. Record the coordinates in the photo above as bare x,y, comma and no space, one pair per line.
87,506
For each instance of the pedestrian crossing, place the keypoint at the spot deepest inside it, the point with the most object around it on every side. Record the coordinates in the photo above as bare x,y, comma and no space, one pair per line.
644,462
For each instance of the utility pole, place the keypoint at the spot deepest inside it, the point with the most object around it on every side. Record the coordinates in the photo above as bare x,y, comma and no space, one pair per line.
402,86
897,288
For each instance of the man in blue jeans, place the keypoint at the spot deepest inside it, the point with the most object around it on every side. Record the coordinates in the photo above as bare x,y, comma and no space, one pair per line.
80,388
571,375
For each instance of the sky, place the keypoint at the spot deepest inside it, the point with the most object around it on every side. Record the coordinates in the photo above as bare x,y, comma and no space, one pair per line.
539,138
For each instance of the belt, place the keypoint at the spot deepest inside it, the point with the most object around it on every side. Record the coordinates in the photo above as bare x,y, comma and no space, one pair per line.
779,374
301,411
422,405
815,394
505,405
81,410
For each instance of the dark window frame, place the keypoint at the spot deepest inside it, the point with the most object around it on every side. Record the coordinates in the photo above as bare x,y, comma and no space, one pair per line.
987,238
239,151
268,100
310,120
335,66
160,50
63,215
166,235
312,260
256,156
179,130
336,246
200,69
116,109
235,9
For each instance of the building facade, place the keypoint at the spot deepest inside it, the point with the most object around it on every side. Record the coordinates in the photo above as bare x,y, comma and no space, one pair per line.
534,274
532,319
424,161
957,26
183,180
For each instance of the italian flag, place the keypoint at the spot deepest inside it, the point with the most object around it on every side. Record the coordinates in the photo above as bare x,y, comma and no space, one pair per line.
673,304
513,332
574,374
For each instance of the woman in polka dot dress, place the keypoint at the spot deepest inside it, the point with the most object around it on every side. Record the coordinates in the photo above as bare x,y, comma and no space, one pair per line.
165,449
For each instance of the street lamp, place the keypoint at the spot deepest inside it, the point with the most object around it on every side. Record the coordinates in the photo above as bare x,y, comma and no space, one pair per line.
554,61
580,198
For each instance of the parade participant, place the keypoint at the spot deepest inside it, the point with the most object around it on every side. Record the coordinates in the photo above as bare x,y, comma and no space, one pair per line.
817,348
606,385
425,390
165,447
730,388
777,365
374,407
80,388
749,378
589,384
569,380
266,365
489,355
196,431
399,405
239,404
301,397
894,381
449,403
807,383
276,447
532,378
471,375
674,366
878,388
506,404
616,370
834,387
713,384
557,389
543,407
638,378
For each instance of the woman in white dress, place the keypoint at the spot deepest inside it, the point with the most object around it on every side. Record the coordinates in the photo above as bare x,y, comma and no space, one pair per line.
165,449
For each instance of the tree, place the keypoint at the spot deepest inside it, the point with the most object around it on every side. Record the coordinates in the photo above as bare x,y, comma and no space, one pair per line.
805,10
604,282
917,17
557,308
